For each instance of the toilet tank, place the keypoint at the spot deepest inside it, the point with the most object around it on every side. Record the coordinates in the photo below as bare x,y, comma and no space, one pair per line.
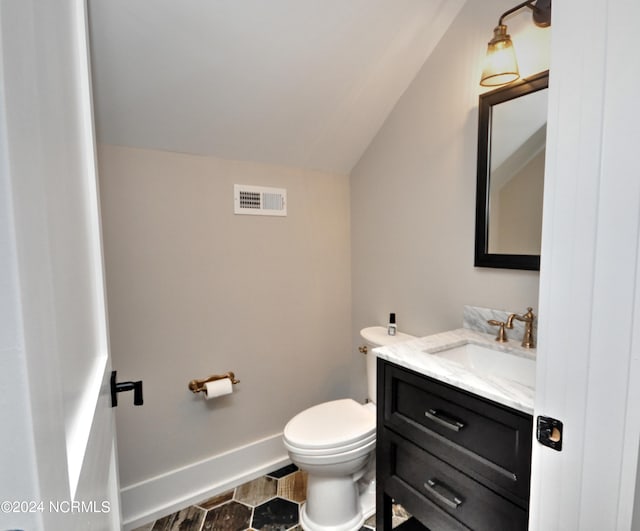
377,336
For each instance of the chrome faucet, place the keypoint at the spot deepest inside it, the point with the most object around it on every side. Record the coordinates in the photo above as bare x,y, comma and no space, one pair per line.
527,319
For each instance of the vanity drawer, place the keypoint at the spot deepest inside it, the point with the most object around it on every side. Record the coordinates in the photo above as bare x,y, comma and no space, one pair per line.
448,497
490,442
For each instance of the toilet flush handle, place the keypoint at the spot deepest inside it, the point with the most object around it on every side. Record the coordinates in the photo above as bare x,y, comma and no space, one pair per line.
363,349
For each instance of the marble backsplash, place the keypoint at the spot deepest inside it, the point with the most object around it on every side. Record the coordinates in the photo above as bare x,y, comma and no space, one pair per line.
475,318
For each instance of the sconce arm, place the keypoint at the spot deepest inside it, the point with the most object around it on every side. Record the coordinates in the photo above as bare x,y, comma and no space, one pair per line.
541,12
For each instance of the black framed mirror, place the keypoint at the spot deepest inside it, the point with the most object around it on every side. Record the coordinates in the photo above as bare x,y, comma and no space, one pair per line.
512,126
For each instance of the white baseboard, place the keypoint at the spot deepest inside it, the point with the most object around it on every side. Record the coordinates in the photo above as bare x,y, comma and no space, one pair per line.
159,496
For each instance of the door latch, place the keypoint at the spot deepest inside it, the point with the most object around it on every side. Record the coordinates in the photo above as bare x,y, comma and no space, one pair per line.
125,386
549,432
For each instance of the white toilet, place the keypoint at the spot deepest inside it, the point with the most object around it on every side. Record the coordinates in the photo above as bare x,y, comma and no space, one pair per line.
334,443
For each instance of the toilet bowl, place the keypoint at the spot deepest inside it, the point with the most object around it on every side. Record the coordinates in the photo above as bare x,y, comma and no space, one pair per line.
334,443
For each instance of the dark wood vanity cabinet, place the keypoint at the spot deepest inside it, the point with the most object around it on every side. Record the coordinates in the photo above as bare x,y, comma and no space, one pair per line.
454,460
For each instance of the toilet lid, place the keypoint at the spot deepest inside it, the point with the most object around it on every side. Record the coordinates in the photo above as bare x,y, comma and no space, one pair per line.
331,424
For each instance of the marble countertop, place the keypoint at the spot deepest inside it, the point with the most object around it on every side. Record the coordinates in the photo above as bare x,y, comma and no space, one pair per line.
416,355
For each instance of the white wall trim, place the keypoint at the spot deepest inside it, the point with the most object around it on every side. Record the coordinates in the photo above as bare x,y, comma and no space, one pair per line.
161,495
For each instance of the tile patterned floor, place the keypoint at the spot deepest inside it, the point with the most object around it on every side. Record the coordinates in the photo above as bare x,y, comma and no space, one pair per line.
269,503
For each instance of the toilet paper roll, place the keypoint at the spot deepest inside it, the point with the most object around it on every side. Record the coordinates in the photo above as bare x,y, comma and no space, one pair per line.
218,388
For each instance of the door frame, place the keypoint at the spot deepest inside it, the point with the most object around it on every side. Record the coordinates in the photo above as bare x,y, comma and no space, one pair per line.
39,58
588,367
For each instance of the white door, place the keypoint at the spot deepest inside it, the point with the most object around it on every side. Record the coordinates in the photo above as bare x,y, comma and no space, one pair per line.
588,372
49,166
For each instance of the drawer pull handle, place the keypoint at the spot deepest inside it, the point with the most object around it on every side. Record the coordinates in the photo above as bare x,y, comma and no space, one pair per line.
444,419
443,493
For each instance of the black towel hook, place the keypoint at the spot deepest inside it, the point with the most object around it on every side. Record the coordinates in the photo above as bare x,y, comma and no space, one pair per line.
125,386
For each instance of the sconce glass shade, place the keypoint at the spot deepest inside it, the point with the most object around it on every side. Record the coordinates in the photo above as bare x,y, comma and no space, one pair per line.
500,65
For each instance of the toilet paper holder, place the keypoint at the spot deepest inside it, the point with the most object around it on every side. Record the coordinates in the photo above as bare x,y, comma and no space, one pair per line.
199,385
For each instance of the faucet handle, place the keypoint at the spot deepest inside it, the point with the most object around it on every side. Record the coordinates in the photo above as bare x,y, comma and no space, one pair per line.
527,338
502,334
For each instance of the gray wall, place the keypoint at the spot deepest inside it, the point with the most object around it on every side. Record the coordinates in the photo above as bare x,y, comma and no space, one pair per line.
413,194
194,289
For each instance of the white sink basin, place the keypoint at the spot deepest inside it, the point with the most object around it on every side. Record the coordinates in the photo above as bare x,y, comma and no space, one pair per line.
488,361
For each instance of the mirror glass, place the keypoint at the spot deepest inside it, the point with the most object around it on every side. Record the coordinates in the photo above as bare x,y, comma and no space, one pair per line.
511,152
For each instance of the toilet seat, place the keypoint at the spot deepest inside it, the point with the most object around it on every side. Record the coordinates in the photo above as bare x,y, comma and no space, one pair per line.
334,427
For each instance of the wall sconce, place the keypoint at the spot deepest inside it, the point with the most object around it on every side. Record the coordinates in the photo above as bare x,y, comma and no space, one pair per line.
500,65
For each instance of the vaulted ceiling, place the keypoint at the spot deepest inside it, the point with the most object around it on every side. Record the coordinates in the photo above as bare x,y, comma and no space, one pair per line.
303,83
